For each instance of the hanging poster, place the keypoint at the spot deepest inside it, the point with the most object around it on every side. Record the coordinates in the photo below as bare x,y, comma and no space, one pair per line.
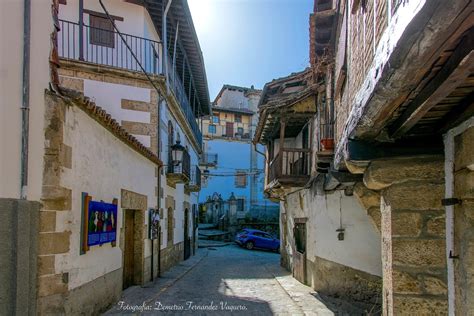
99,223
102,223
154,223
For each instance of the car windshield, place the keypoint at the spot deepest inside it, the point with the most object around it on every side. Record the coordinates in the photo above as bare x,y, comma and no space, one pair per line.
243,232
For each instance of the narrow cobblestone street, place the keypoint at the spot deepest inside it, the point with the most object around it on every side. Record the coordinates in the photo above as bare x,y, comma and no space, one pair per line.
227,281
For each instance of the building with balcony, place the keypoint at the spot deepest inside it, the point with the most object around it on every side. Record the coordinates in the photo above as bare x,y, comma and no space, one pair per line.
116,90
231,164
381,217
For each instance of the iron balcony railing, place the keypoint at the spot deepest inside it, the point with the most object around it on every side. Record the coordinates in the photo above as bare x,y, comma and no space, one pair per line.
105,47
195,177
111,51
208,159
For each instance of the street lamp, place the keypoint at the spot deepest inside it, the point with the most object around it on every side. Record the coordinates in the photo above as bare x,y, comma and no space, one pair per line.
177,151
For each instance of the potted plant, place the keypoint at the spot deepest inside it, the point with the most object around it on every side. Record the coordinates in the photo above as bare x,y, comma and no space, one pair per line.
327,144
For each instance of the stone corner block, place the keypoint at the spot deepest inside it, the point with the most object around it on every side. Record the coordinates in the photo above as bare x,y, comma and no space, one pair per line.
382,173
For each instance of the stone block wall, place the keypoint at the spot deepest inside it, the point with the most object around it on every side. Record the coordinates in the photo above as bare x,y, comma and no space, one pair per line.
171,256
464,222
413,233
18,259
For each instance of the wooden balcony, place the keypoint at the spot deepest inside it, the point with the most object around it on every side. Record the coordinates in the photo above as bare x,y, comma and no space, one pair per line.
180,173
290,168
194,184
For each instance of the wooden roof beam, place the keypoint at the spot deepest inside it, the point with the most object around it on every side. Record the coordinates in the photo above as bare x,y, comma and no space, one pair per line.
459,66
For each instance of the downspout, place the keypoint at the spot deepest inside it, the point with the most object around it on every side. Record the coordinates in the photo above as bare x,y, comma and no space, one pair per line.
25,107
449,192
158,136
165,44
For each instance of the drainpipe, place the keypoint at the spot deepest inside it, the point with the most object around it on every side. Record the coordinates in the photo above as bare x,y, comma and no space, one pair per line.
25,107
81,29
449,192
158,136
165,44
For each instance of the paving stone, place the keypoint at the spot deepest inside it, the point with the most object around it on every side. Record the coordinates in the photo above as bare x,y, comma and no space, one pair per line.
227,281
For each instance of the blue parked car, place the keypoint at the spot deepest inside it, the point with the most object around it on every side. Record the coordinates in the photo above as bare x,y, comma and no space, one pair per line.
253,238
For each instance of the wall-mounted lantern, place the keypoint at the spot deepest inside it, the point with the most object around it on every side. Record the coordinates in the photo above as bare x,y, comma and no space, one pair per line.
177,151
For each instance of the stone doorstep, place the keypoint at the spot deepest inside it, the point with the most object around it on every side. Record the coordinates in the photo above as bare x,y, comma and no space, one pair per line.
138,295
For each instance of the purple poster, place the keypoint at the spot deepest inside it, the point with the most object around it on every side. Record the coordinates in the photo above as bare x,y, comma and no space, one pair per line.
102,226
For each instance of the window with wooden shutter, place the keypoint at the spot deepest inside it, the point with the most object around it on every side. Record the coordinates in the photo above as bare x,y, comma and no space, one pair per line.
101,32
241,179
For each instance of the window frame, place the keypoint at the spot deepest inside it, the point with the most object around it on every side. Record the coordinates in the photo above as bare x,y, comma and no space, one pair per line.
101,36
239,116
239,175
209,129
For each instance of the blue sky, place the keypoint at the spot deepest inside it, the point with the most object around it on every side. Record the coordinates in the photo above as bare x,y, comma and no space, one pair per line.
251,42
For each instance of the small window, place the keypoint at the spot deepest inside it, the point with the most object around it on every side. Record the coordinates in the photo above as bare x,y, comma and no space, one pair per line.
215,119
241,179
299,233
212,129
240,204
238,118
101,31
240,130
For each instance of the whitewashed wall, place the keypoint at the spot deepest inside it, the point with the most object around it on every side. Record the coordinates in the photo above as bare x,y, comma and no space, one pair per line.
136,20
102,165
233,99
11,69
360,248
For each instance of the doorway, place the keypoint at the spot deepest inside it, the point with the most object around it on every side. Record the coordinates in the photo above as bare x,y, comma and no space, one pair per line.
187,240
129,249
299,255
229,129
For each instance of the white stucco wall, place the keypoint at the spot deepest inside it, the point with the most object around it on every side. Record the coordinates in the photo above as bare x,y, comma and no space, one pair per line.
102,165
11,68
361,246
109,96
136,20
233,99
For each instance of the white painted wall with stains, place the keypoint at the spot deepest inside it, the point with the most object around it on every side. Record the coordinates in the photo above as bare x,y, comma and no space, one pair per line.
11,69
102,165
360,248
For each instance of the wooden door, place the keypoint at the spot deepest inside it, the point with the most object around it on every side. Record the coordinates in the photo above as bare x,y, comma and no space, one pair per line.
128,262
299,255
229,129
187,240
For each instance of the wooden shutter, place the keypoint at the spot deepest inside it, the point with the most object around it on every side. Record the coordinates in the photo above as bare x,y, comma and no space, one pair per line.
101,32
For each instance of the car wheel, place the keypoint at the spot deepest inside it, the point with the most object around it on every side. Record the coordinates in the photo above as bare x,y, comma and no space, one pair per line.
249,245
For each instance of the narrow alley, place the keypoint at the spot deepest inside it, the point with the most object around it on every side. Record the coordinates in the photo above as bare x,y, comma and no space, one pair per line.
227,281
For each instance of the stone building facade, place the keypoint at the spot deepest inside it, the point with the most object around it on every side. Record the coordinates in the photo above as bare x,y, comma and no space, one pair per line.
107,116
390,125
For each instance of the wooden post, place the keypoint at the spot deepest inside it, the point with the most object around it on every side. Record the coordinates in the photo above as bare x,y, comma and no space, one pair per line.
282,143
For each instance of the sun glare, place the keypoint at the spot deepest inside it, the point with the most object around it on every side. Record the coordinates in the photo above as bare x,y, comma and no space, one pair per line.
201,13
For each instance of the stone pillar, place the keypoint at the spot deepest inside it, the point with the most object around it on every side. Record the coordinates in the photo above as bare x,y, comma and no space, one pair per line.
464,222
413,233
